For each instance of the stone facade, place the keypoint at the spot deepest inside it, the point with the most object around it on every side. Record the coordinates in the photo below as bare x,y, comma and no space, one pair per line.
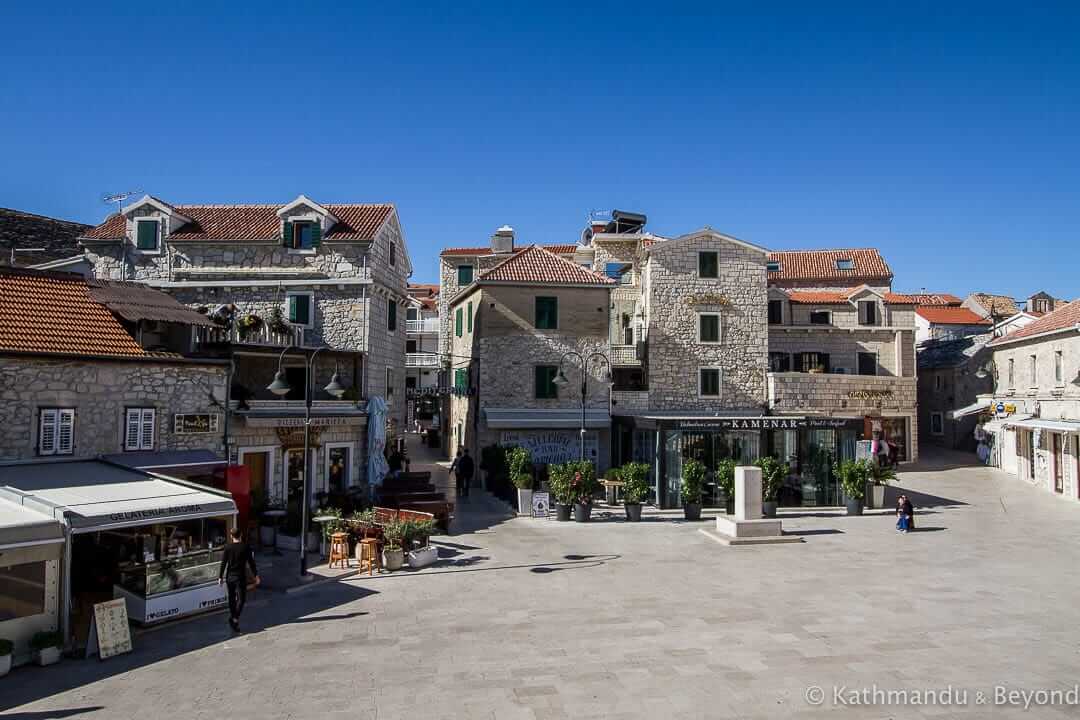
100,392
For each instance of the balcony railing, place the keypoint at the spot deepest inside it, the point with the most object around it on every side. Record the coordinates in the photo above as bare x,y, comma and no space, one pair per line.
421,360
628,402
426,326
262,335
625,356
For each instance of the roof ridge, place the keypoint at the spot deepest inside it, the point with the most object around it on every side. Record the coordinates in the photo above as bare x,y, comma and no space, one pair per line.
815,250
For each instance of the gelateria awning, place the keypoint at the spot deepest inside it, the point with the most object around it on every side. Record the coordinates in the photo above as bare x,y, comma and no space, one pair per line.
92,495
531,418
971,409
1061,426
22,527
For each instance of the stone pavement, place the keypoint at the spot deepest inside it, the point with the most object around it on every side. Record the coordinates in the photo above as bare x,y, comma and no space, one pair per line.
532,619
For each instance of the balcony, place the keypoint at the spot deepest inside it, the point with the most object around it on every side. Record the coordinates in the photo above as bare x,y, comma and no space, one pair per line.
628,402
426,326
829,392
625,356
262,336
422,360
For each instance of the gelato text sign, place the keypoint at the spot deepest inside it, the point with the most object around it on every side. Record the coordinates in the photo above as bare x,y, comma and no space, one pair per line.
553,446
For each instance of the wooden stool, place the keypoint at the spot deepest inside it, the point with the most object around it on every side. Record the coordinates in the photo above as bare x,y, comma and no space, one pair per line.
339,549
369,553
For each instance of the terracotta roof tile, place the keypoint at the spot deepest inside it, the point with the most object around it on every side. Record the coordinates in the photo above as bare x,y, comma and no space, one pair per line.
817,298
255,222
821,265
1066,317
950,316
48,312
1001,305
564,249
944,299
536,264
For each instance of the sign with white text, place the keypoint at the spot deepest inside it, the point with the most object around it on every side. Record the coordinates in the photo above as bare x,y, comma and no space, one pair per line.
553,446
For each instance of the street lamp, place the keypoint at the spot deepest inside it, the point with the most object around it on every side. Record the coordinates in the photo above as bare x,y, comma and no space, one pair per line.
281,387
561,380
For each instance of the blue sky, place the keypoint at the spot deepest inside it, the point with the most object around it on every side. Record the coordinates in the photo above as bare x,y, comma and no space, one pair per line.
947,137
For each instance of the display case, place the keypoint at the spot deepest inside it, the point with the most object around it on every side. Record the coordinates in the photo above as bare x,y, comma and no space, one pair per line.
172,587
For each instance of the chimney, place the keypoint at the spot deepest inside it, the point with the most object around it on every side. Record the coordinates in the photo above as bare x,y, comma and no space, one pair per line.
502,241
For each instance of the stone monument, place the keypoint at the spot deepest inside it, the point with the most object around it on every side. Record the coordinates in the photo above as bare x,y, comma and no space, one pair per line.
748,527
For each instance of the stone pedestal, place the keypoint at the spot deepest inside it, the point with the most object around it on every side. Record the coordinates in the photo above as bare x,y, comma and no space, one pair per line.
747,493
748,527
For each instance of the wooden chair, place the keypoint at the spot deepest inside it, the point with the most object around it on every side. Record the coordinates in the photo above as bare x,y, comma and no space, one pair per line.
339,549
369,553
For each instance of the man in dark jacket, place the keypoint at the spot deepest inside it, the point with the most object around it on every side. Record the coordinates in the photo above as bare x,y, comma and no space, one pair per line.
233,572
465,469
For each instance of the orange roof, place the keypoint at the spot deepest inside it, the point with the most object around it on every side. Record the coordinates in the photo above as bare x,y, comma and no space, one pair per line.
817,298
1002,306
47,312
564,249
537,264
1062,319
254,222
950,316
923,299
867,264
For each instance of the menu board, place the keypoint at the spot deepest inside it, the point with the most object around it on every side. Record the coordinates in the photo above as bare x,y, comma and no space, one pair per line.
110,633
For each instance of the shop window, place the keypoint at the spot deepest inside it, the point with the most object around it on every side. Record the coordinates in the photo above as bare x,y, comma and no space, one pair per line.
776,312
544,385
22,590
819,317
56,431
779,362
139,428
464,275
709,382
298,307
337,469
937,424
708,264
868,363
147,234
547,313
709,327
868,314
302,235
391,315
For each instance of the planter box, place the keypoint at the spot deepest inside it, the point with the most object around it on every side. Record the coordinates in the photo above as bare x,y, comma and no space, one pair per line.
768,508
524,498
582,512
562,512
393,559
422,557
47,656
854,507
633,512
877,494
692,512
5,665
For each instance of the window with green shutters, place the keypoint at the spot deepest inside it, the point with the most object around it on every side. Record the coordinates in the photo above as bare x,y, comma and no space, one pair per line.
709,384
461,378
391,315
458,322
302,235
546,389
464,275
146,234
709,327
708,264
547,313
470,317
299,308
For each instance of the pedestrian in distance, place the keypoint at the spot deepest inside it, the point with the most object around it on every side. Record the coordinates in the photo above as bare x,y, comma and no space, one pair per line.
909,511
901,518
235,562
465,472
455,469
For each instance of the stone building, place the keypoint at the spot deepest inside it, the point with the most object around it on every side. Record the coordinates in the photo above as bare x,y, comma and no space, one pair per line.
947,323
423,367
1033,412
949,382
288,286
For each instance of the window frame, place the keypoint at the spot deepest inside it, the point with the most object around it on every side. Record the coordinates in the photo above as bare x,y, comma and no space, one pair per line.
817,311
56,446
536,312
775,354
940,416
939,382
391,315
1033,368
156,250
777,304
1012,373
842,262
773,266
553,390
469,317
472,274
1059,368
716,259
392,252
389,388
350,448
293,224
719,382
864,319
141,443
311,307
860,354
719,328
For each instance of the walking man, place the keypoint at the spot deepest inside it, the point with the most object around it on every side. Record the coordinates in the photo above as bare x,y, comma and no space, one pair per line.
465,472
233,572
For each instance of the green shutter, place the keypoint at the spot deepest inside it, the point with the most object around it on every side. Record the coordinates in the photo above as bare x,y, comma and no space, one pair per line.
470,317
290,306
457,322
464,275
547,313
147,235
461,378
316,234
286,234
544,382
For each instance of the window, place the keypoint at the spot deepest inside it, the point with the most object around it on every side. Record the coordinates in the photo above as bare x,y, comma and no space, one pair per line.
1011,374
410,346
545,386
458,324
772,266
302,235
139,429
1059,369
939,383
937,424
779,362
298,308
709,327
147,234
708,264
391,314
547,313
461,379
470,316
1033,370
867,312
393,253
411,314
816,361
776,312
709,382
464,275
56,431
819,317
22,590
868,363
845,264
337,468
389,382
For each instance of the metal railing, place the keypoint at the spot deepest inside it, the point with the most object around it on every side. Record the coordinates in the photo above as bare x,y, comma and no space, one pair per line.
421,360
624,355
423,326
263,335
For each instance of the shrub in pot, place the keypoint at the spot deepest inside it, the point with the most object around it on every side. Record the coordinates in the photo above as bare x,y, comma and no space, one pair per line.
393,556
583,485
725,480
880,476
559,478
416,533
693,484
634,477
46,647
773,475
852,475
6,649
520,462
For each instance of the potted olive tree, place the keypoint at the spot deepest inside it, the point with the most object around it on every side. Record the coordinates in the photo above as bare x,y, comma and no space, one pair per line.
693,484
46,647
6,649
773,475
852,475
559,477
520,461
635,488
725,480
880,476
393,556
583,485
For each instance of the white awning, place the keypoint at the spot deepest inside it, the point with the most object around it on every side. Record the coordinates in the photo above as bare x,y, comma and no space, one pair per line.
94,495
526,418
1062,426
22,527
972,409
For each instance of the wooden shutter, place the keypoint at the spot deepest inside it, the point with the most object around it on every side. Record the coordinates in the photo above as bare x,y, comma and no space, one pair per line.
47,432
287,234
146,235
65,431
132,426
457,322
470,317
316,234
146,438
290,308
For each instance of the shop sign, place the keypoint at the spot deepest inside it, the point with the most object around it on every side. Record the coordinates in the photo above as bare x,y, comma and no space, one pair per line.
109,631
541,503
192,423
440,391
765,423
298,422
870,394
1010,409
154,513
553,446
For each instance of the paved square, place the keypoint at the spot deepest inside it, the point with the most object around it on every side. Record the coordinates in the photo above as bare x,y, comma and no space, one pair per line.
536,619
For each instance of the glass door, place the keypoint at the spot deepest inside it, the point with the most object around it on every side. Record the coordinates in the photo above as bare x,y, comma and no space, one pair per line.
294,489
673,468
819,486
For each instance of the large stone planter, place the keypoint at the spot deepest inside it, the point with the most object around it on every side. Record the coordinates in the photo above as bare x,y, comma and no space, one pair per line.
422,557
393,559
524,498
877,495
582,512
633,512
47,656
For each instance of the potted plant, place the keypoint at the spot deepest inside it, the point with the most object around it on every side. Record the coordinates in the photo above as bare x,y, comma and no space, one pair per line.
277,322
419,552
559,477
693,483
46,647
880,476
583,485
393,557
520,461
248,325
852,475
635,488
725,480
773,475
6,649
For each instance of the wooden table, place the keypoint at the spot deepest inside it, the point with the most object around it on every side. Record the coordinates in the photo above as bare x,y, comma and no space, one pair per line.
611,490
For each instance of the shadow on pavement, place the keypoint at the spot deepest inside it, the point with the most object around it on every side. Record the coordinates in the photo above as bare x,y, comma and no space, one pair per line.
585,561
53,714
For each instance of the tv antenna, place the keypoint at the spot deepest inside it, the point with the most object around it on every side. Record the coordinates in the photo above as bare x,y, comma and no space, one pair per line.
119,198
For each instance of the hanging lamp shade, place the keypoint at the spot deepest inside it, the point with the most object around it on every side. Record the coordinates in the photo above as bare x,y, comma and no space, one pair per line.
280,386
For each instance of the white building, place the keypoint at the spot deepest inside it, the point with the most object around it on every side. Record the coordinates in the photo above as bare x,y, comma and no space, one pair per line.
423,363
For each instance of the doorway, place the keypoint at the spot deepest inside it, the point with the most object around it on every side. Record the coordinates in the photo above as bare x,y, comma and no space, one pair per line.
1057,448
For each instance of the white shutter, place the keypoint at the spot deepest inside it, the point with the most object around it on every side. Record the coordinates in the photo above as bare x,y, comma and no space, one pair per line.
132,424
47,432
147,437
65,433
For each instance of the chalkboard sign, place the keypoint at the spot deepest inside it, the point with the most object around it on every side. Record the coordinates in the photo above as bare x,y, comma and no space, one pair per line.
540,504
110,633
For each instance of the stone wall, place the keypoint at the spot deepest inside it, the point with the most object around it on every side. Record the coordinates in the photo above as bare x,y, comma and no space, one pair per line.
841,394
100,392
842,347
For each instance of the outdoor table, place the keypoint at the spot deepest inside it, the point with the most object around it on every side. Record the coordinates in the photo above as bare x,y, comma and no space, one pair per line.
611,488
321,519
276,515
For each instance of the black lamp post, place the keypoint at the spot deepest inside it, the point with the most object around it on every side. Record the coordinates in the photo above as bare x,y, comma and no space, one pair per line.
281,387
561,380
